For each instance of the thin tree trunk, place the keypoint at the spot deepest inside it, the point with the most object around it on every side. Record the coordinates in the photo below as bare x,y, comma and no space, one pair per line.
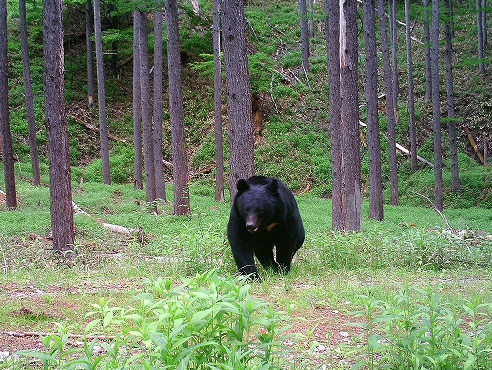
180,159
481,65
241,140
394,54
390,109
333,47
484,23
89,30
349,114
8,154
61,208
304,36
427,42
160,185
101,94
145,101
411,98
219,150
311,18
436,114
137,104
371,89
450,101
26,69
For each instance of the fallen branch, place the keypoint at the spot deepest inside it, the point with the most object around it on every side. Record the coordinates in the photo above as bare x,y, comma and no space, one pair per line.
405,150
116,228
435,209
31,334
95,129
474,144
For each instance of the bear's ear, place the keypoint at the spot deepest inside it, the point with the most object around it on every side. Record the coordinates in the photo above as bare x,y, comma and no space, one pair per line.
273,186
242,186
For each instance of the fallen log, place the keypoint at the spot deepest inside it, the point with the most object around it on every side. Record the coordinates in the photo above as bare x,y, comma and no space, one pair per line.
405,150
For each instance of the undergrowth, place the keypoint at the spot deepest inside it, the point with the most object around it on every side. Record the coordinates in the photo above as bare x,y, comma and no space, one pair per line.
206,322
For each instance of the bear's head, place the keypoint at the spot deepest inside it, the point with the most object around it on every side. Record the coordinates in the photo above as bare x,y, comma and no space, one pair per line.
257,203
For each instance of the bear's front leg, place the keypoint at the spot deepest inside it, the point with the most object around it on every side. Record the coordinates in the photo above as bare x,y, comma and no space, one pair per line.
244,258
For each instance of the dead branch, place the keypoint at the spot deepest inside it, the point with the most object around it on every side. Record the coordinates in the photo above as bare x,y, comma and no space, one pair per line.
435,209
474,144
116,228
33,334
404,150
95,129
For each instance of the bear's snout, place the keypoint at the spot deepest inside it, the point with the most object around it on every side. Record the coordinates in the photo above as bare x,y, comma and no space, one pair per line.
252,224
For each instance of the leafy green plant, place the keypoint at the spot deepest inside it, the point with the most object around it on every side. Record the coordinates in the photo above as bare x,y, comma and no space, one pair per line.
418,330
206,322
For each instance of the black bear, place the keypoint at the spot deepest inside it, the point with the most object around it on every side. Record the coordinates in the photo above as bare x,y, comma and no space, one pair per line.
264,213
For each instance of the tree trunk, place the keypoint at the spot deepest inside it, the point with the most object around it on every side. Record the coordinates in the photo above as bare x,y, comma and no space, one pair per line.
411,98
160,185
239,104
219,150
89,30
481,65
333,48
484,23
8,154
26,69
394,54
101,94
62,225
304,36
450,101
137,104
371,89
145,101
390,109
436,114
180,159
311,18
427,42
349,123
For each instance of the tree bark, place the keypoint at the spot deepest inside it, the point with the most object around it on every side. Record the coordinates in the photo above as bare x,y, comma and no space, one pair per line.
89,30
484,23
427,42
26,69
436,114
160,184
390,109
180,160
137,104
241,140
450,100
481,65
311,18
371,89
394,54
145,102
411,97
101,94
349,114
304,36
333,51
219,150
62,225
8,154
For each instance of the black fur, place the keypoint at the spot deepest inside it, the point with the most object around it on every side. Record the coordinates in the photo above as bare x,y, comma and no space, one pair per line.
264,214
